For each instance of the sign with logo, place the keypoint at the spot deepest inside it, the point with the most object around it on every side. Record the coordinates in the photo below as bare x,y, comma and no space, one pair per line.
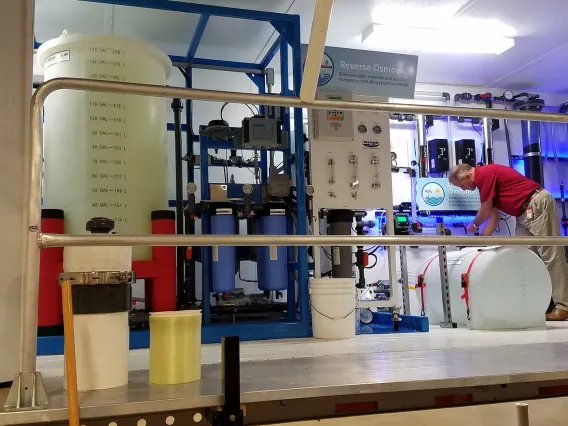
435,194
368,73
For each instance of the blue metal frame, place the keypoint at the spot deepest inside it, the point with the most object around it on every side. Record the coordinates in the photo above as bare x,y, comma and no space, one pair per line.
288,27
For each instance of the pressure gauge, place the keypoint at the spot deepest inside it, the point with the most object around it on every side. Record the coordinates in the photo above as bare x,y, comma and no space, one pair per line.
508,95
191,188
310,190
247,188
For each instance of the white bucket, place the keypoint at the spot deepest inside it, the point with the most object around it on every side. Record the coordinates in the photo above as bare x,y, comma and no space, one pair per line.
338,287
332,282
320,291
333,305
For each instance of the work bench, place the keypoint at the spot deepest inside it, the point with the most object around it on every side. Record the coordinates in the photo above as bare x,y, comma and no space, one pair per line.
327,385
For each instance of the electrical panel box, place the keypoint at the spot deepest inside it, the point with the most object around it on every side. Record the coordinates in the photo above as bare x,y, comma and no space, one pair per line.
279,185
332,124
351,163
465,152
439,156
260,132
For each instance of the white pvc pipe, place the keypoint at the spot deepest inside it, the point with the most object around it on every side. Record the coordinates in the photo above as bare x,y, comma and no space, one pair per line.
522,414
316,47
101,340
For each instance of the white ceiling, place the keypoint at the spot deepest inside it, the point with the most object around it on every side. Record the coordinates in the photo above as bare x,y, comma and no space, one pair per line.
536,62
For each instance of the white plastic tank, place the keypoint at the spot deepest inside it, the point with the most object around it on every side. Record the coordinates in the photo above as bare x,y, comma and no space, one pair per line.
104,153
509,288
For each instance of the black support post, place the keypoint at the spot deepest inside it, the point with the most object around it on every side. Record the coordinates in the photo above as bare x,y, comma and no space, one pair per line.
177,108
231,414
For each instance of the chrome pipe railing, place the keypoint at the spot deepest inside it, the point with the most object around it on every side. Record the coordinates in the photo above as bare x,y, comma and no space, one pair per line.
285,101
58,240
34,239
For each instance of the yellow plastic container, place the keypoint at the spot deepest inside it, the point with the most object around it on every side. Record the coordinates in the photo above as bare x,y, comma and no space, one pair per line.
175,347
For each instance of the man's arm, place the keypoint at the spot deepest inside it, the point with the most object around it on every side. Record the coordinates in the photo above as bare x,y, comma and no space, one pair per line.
482,215
492,223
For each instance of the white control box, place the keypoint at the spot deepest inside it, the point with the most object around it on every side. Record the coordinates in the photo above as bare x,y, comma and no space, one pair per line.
350,158
332,124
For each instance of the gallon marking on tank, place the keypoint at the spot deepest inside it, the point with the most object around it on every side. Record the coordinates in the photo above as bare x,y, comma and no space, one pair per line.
56,58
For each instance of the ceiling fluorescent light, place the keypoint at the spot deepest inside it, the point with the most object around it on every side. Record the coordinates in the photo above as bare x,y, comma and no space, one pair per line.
395,38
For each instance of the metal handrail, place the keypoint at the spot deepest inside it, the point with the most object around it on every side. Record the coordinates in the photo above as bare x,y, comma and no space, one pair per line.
58,240
285,101
34,239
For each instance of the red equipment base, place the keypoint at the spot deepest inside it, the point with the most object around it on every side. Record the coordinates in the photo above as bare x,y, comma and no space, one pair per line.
159,273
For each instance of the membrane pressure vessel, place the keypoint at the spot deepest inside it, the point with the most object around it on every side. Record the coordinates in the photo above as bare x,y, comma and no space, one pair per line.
507,288
104,153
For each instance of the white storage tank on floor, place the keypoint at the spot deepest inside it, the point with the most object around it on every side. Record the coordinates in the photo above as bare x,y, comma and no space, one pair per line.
105,153
509,288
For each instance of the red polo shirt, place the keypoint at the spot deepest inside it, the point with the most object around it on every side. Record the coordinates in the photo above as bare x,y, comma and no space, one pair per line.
508,188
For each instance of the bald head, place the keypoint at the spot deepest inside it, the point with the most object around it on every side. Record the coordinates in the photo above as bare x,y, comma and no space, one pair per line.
463,176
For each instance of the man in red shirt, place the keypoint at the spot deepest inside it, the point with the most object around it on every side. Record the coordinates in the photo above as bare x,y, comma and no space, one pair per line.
502,189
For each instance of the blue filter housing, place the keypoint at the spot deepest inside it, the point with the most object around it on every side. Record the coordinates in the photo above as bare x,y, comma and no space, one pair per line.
223,257
273,261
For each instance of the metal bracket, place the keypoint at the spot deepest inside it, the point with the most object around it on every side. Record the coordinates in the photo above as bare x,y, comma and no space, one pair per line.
98,277
27,393
446,303
404,281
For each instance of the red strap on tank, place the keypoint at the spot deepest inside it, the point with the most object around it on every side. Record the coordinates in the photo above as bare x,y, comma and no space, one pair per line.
465,283
421,284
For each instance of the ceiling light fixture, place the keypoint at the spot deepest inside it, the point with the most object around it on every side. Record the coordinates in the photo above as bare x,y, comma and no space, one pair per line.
448,40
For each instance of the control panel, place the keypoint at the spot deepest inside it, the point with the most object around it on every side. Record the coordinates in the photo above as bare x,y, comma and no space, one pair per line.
335,115
332,124
351,162
350,158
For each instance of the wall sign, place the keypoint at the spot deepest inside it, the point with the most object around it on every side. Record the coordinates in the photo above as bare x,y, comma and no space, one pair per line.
368,73
435,194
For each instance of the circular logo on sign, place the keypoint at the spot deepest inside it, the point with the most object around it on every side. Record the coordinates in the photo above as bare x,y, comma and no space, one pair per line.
433,194
326,70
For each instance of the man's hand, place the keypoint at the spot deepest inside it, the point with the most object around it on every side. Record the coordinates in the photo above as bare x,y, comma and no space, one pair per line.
492,223
472,228
484,213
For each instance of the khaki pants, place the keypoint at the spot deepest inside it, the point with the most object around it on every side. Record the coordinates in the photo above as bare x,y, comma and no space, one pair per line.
545,223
